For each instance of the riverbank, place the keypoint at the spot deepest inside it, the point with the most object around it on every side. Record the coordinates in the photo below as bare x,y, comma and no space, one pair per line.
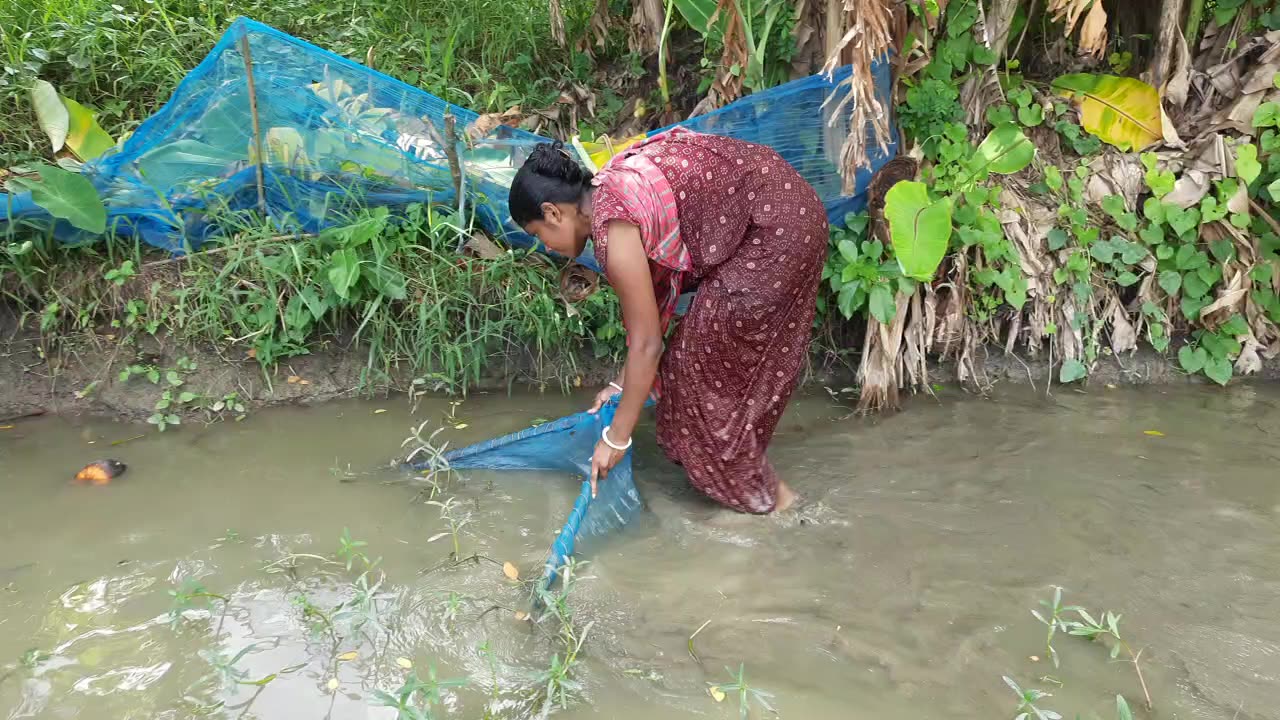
96,376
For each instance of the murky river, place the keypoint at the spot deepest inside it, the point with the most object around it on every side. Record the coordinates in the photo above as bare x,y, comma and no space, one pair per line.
903,588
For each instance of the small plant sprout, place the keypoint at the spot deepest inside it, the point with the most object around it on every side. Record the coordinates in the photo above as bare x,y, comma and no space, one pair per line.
190,596
1054,621
1110,626
448,513
431,454
1027,700
415,699
746,694
349,549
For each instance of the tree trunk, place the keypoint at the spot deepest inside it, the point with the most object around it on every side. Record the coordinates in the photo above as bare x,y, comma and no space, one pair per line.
999,21
1167,37
646,25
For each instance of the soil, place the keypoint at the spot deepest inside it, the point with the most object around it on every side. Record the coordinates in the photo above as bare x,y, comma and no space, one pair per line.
84,377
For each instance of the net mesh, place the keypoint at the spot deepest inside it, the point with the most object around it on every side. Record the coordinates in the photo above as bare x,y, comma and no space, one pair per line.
337,137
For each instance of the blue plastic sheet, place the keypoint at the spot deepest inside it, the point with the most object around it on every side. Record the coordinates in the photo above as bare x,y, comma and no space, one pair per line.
338,137
564,445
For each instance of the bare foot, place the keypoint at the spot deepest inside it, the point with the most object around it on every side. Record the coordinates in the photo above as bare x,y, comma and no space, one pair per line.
786,497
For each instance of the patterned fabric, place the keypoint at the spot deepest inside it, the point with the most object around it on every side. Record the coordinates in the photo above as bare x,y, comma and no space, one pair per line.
640,193
756,237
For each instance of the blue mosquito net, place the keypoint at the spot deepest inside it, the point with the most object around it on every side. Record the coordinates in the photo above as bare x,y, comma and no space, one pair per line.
563,445
337,137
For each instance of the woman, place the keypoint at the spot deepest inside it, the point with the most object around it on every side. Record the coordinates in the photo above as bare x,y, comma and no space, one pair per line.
683,210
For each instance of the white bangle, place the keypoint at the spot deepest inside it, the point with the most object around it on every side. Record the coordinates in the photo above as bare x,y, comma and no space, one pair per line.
615,385
604,435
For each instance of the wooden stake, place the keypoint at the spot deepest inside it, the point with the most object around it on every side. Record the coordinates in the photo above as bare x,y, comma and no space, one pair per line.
257,128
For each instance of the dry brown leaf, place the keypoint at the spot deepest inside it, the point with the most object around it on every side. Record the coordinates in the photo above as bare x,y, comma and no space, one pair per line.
1239,202
1070,9
511,571
557,22
1178,84
489,122
1249,362
1093,33
1188,190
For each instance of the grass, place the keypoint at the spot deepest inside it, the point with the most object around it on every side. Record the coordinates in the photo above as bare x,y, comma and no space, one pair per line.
124,57
392,286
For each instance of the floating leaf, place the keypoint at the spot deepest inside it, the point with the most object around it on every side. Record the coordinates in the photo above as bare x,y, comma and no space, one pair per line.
522,615
85,137
511,571
716,693
293,379
379,411
349,656
1004,151
1121,111
920,228
333,684
405,663
1153,433
50,113
66,195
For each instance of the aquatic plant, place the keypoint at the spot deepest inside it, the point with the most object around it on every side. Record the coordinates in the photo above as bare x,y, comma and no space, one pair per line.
1055,622
448,513
1110,627
1027,700
415,698
746,693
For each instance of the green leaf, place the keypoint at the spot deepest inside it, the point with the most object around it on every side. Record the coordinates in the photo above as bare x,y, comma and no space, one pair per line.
66,195
1031,115
1267,115
85,137
1122,709
919,228
1121,111
344,271
1071,371
1182,221
1194,286
1192,359
1057,239
1170,281
1126,279
1053,177
1218,370
848,250
1191,307
1247,165
1004,151
50,113
881,303
1274,189
699,14
1153,209
1235,325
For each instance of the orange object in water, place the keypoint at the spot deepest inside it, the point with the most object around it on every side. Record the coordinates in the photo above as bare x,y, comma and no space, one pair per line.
101,472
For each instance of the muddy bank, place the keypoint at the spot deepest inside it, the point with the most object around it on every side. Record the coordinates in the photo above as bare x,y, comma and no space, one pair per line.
86,376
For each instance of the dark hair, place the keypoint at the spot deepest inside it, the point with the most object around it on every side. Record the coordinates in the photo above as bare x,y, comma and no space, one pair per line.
550,175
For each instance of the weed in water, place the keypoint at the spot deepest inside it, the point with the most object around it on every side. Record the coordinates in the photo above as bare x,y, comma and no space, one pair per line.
746,693
349,549
1110,627
190,596
1027,700
415,699
449,513
1054,621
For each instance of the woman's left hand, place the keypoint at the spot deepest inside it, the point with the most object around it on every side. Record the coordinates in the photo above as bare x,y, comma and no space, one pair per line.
604,460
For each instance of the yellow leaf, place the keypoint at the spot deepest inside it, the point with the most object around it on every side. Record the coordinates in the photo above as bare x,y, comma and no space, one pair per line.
304,382
379,411
522,615
333,684
1153,433
293,379
510,571
716,693
1121,111
460,426
405,663
85,137
6,427
349,656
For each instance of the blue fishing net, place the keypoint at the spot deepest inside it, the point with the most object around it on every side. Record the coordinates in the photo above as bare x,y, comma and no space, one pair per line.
564,445
338,137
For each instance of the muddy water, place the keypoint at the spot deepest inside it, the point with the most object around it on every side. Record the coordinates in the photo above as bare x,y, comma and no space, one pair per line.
901,589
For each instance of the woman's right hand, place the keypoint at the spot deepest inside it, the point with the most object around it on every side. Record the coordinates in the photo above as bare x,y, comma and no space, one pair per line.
602,397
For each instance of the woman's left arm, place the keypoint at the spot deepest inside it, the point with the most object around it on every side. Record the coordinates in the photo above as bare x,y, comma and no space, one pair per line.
628,271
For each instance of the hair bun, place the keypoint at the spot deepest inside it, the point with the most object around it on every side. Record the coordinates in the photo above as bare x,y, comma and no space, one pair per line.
552,160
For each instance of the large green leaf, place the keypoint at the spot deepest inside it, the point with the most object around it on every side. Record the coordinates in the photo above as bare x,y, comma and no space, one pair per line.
1006,150
85,137
344,271
698,13
919,228
50,113
66,195
1121,111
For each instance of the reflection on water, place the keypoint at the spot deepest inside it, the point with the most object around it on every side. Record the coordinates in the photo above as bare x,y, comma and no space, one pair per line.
901,589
